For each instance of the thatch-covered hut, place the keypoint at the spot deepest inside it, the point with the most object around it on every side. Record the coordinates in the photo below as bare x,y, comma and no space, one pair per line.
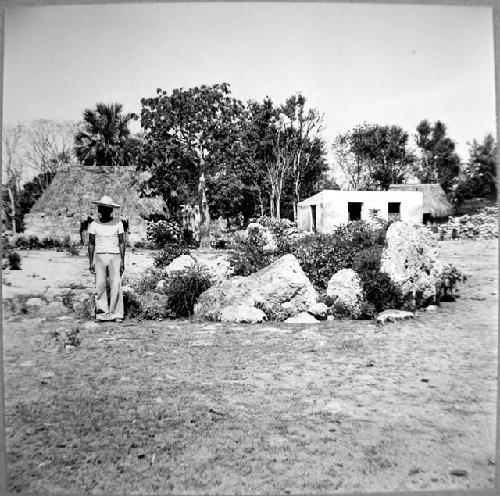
66,203
437,207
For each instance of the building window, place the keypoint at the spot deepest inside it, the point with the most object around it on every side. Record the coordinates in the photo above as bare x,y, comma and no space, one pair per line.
394,210
313,217
354,210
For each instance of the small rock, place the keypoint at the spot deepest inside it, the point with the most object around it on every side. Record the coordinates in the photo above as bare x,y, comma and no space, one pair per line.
330,317
318,310
34,303
54,309
158,400
301,318
90,326
242,314
70,347
392,315
431,308
457,472
28,363
64,318
47,375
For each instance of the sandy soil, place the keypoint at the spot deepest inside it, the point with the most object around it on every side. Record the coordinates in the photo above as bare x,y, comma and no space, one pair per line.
177,407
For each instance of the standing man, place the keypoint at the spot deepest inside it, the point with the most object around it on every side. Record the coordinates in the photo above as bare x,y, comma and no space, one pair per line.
107,255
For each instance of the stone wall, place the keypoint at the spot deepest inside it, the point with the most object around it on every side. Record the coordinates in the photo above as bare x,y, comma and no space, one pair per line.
45,226
483,225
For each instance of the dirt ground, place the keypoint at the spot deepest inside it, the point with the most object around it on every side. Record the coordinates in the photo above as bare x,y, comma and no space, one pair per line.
178,407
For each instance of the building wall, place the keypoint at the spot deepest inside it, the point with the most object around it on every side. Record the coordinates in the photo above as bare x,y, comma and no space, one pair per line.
332,208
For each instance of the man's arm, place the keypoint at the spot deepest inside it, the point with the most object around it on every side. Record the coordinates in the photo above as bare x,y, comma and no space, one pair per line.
121,243
91,253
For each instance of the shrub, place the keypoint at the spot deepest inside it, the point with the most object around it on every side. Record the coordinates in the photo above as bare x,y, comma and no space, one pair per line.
73,249
164,232
322,255
281,229
249,255
378,288
148,281
450,278
14,261
183,289
149,305
169,253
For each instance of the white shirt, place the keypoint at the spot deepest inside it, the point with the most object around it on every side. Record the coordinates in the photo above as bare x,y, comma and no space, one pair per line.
106,235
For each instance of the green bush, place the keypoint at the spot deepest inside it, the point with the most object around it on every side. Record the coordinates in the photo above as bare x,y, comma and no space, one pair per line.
169,253
249,256
450,278
378,288
149,305
164,232
322,255
148,281
34,243
14,261
282,231
183,289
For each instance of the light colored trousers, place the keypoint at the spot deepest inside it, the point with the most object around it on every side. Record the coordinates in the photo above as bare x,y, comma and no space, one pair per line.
108,262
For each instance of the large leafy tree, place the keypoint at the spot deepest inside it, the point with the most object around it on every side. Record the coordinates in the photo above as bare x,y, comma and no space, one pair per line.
354,170
480,175
383,151
104,137
438,161
190,134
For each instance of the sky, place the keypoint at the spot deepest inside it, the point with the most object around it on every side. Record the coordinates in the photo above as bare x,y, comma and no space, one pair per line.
384,64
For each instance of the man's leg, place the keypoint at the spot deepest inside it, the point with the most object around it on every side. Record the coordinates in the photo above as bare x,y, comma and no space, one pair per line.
101,300
115,282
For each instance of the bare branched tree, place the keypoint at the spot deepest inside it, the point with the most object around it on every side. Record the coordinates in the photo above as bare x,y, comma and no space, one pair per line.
49,145
14,164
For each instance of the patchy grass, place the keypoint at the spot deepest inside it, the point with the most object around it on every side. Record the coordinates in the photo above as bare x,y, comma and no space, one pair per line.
179,407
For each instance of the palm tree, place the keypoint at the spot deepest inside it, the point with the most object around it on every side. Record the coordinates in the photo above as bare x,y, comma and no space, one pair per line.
104,137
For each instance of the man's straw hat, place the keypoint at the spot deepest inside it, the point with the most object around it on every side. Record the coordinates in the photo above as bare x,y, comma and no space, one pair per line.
106,201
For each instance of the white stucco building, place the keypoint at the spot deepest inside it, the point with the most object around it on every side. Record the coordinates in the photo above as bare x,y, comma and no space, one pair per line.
331,208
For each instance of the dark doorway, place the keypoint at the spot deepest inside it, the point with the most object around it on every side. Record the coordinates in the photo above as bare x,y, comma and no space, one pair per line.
313,216
354,210
394,211
426,218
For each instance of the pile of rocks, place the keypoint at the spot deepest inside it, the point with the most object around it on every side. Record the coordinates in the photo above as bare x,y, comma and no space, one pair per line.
483,225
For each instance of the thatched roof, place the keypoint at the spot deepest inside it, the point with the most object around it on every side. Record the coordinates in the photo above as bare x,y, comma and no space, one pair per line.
74,187
435,200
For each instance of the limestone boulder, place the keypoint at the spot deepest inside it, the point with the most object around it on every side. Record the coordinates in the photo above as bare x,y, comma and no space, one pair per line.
319,310
244,314
345,288
411,259
180,263
282,282
302,318
217,265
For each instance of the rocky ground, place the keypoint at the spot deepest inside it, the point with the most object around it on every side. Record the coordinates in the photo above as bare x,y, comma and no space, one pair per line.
178,407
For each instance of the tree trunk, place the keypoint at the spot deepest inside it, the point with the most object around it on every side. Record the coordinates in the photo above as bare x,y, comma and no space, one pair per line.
13,210
261,203
278,204
272,204
204,227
